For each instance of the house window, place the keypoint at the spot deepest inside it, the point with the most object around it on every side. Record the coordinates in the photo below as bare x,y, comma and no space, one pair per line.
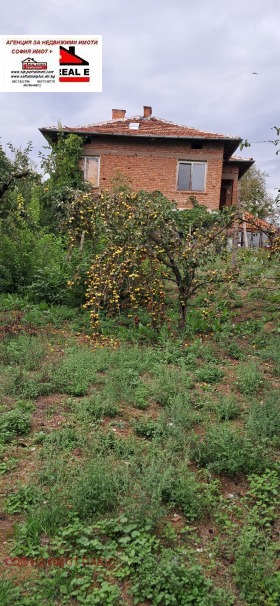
191,176
91,166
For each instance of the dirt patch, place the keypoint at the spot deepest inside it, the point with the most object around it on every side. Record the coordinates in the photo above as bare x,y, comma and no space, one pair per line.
13,325
49,412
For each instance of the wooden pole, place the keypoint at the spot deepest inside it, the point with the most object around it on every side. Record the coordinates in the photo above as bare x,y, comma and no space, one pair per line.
235,233
245,238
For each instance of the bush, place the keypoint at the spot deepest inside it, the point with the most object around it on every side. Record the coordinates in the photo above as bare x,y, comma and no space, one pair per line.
249,378
53,271
227,408
209,374
167,580
168,383
193,497
264,418
147,428
97,489
226,450
95,408
17,259
36,263
14,423
254,568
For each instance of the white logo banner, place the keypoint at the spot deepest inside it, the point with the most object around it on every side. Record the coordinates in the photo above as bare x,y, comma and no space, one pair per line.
48,64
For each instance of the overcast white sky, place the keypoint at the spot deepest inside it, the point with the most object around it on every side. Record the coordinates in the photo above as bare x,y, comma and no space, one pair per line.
191,60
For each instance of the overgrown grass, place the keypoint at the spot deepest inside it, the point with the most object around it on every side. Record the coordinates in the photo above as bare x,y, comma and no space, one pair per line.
155,459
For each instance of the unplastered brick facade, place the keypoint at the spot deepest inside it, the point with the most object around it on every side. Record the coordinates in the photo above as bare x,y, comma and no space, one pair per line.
153,165
154,154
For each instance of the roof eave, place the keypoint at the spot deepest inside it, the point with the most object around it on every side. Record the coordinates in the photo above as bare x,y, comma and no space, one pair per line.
51,133
243,165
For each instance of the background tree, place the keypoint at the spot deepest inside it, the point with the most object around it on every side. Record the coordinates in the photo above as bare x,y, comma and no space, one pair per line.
19,180
273,213
253,193
62,163
64,177
33,259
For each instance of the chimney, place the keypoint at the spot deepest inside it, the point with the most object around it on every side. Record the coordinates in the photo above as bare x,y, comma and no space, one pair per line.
118,114
147,111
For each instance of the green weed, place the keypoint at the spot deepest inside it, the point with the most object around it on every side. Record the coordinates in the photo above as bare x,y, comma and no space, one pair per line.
227,408
75,373
194,498
168,580
168,383
97,488
254,569
263,498
147,428
24,350
95,408
9,593
60,439
226,450
18,382
263,420
235,351
7,465
13,424
249,378
209,374
271,352
23,499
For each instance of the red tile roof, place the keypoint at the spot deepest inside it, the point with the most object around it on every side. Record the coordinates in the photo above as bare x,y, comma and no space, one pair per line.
255,223
151,126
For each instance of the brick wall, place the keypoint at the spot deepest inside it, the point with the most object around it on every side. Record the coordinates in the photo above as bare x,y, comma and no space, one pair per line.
231,172
152,165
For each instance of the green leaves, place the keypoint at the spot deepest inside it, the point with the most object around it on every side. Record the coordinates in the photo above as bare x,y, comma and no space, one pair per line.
14,423
147,241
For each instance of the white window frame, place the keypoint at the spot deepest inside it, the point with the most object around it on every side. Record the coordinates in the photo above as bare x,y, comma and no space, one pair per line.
192,163
84,168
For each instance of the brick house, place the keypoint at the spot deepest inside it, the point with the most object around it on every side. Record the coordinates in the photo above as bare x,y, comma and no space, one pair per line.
155,154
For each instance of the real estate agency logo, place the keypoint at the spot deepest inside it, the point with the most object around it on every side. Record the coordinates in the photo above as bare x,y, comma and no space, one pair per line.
72,67
32,64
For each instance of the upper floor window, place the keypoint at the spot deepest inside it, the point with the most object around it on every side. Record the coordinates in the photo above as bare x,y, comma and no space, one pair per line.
191,176
91,169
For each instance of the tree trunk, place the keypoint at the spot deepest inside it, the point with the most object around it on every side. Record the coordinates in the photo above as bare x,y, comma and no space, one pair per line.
182,308
82,241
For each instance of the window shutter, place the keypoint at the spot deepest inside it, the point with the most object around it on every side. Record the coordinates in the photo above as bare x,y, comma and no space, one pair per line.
92,170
